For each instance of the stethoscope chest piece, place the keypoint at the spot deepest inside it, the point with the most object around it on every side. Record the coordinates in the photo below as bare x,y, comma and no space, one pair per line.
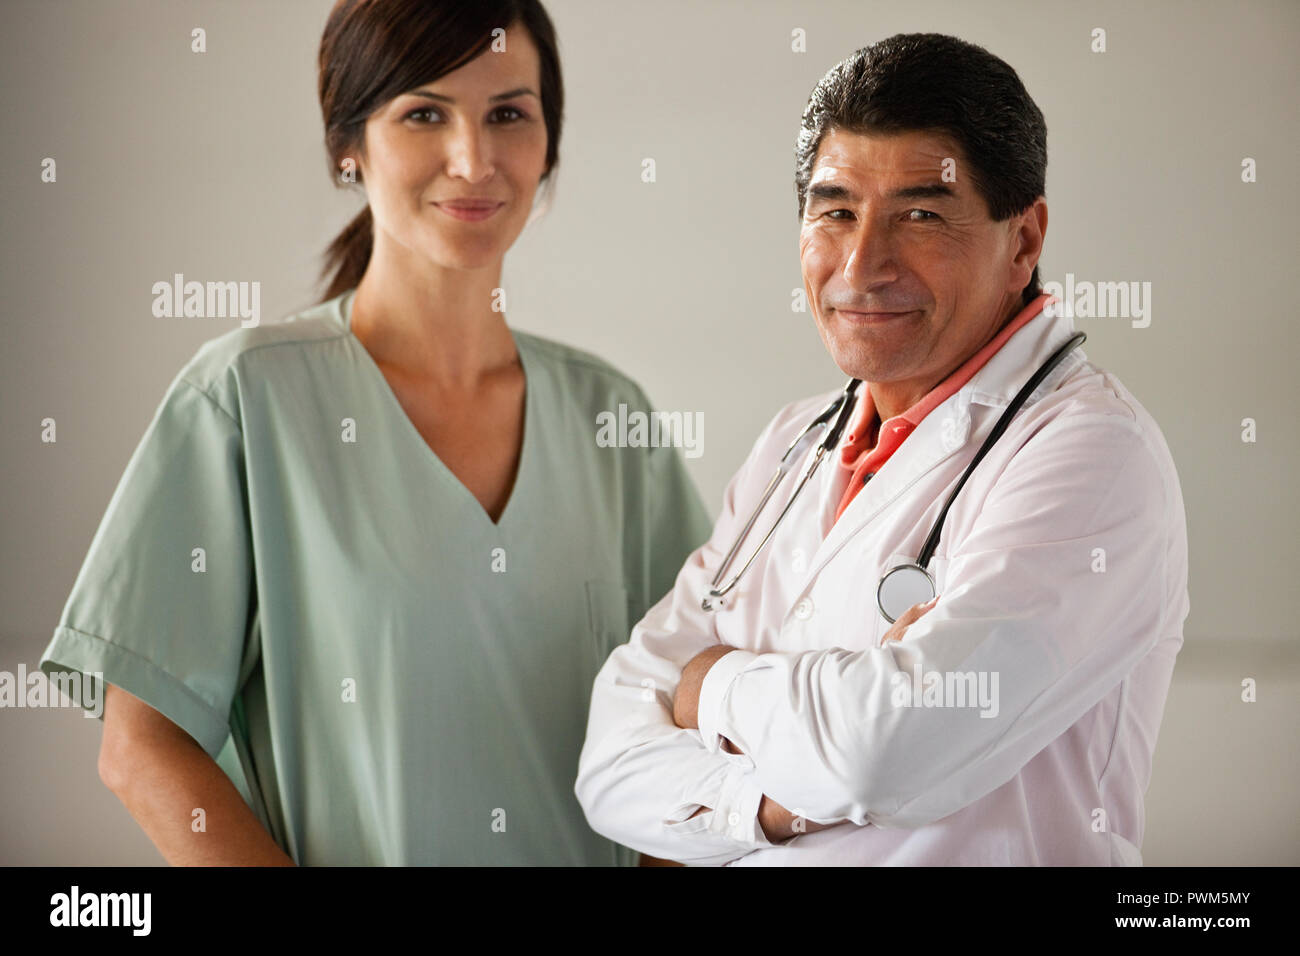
901,587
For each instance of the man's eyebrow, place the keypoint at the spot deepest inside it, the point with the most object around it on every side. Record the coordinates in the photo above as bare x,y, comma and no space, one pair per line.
835,192
927,191
832,192
509,94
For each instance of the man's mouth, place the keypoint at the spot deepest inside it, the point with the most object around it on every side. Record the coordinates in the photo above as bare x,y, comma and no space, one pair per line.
873,318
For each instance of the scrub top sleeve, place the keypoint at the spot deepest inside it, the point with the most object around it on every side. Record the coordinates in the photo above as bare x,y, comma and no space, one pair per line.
162,605
678,524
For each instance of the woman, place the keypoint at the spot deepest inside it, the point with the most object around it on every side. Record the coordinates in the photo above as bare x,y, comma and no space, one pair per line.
367,562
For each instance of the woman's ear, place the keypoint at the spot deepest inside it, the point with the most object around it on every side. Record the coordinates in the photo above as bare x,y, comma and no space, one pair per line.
542,199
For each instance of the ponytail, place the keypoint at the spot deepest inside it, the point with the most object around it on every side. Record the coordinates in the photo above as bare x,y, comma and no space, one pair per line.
349,254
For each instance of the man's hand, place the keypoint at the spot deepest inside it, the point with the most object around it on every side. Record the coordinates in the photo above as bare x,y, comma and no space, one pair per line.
780,824
910,616
686,702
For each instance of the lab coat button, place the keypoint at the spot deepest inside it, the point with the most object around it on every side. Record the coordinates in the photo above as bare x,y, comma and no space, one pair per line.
804,609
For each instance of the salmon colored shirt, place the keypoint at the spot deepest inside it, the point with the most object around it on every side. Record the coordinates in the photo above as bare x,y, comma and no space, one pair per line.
870,442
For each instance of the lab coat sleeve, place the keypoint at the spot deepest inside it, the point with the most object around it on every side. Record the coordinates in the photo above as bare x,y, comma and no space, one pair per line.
1024,607
640,777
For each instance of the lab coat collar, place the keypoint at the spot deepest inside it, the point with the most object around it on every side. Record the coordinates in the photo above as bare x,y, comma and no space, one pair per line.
1007,370
952,426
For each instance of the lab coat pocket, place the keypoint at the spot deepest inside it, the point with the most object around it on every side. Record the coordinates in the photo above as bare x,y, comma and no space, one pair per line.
607,616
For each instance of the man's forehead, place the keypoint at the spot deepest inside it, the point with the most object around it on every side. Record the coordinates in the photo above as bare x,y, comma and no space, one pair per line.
879,156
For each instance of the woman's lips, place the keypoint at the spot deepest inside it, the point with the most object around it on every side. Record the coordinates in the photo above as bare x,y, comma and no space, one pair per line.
469,210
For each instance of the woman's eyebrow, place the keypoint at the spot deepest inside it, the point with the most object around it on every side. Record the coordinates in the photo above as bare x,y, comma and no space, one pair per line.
509,94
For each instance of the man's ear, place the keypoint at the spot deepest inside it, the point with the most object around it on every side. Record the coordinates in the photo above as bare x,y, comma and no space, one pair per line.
1030,230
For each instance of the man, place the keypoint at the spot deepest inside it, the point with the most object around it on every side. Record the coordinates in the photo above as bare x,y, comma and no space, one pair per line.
1012,719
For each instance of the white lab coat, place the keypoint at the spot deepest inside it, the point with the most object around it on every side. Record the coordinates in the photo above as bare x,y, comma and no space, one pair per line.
1062,568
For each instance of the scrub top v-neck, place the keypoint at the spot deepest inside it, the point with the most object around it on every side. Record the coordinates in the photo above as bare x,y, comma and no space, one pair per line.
437,465
288,572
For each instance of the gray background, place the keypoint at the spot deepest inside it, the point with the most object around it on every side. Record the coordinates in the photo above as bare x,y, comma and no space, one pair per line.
212,165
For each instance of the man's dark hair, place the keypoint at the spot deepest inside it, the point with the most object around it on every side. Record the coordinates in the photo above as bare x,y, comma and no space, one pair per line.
929,82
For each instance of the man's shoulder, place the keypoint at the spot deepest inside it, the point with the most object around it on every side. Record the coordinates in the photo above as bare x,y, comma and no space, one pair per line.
793,416
784,426
1097,398
1096,431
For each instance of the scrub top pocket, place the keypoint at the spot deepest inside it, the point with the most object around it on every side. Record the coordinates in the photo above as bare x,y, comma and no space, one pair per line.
607,617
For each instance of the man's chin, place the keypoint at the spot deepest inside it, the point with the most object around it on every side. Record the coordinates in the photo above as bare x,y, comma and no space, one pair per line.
875,358
857,361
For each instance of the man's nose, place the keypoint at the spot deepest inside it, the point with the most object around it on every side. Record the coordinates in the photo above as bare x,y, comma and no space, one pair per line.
469,154
871,257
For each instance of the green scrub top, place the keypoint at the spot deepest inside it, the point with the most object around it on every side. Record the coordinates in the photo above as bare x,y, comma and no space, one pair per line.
387,676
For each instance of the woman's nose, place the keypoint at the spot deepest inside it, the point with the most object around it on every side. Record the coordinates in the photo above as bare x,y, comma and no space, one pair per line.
469,155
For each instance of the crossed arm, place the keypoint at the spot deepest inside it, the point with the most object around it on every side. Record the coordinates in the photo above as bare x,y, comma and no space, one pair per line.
777,823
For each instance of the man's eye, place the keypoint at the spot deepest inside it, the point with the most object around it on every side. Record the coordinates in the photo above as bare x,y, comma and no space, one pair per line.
833,214
923,212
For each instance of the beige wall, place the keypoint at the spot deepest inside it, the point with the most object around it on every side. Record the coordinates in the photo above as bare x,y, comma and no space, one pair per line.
212,165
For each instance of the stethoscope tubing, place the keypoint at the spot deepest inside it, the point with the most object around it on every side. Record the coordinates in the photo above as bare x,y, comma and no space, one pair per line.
932,540
841,409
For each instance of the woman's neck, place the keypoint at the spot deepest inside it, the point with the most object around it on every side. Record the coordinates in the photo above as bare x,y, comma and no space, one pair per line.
431,322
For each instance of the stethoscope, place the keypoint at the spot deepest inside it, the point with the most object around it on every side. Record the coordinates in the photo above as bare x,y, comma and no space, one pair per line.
903,585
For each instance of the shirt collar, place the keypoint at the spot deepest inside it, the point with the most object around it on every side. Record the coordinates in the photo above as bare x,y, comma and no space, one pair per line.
862,433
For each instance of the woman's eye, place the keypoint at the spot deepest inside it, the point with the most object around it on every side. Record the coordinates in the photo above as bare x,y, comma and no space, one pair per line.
507,114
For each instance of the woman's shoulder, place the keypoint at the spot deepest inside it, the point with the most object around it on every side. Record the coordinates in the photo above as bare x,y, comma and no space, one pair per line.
217,365
581,371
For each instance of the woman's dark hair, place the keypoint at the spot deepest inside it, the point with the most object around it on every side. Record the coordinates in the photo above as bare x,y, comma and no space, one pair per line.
373,51
934,83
